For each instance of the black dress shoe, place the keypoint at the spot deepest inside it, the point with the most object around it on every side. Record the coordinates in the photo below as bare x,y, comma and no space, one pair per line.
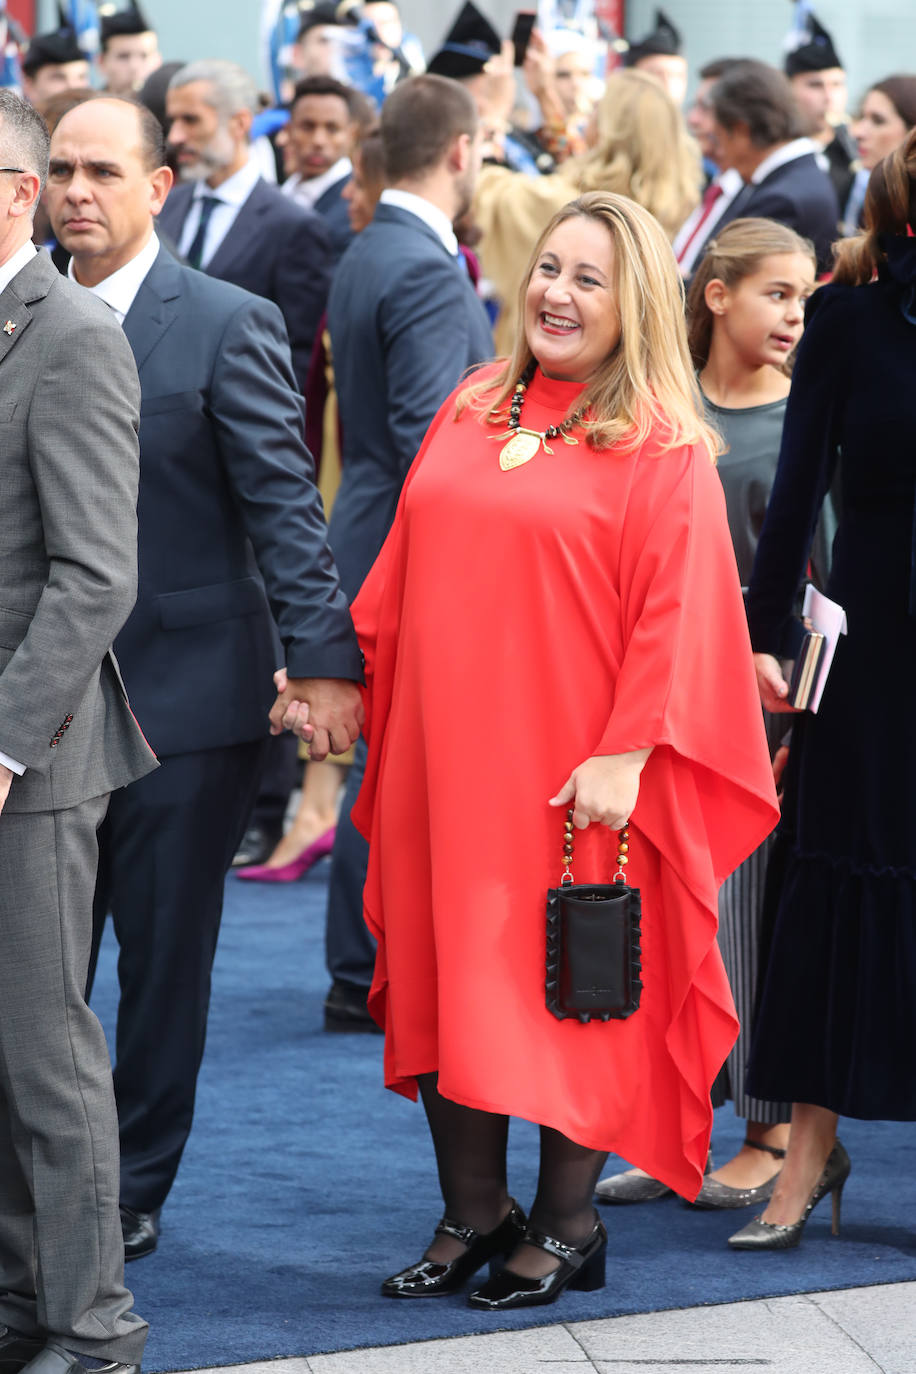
345,1009
140,1231
54,1359
16,1350
581,1267
256,845
434,1278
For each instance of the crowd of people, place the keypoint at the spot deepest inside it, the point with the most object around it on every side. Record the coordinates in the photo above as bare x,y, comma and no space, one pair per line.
399,447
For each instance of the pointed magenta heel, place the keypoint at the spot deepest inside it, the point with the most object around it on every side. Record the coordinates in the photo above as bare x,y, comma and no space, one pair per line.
289,873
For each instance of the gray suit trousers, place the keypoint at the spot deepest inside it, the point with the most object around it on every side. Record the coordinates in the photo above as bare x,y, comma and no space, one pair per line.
59,1173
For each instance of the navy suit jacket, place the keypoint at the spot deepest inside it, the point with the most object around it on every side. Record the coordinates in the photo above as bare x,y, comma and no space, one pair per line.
333,210
797,194
406,324
225,479
278,250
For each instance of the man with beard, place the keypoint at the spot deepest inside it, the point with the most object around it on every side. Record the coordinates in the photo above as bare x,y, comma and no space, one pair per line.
405,325
226,219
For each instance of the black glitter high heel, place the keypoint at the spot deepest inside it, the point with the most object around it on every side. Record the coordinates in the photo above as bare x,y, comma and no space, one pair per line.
763,1235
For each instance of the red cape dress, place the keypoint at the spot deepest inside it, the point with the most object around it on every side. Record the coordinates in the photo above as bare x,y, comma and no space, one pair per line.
514,624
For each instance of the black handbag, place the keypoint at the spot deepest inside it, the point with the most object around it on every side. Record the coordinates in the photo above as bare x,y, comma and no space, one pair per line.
593,953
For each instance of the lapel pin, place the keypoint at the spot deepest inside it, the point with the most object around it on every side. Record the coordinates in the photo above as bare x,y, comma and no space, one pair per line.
8,327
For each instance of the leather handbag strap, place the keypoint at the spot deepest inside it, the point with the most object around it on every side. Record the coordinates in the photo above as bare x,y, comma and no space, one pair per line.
623,850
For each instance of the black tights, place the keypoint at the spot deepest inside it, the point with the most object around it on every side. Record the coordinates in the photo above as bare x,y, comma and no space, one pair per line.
470,1150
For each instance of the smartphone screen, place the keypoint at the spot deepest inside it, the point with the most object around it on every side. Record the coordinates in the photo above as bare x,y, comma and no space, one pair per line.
521,33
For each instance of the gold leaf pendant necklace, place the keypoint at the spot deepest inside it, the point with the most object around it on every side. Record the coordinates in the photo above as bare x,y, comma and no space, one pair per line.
524,443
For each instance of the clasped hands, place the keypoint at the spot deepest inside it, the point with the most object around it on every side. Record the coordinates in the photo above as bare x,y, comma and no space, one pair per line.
326,712
603,789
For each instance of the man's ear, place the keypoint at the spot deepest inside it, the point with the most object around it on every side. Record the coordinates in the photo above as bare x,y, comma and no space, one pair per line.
240,123
459,153
27,193
160,184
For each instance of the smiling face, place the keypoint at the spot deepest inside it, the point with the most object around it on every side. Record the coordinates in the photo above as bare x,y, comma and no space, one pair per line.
760,320
571,319
878,130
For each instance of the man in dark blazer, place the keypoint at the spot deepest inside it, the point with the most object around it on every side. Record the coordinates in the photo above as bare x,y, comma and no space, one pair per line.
323,126
226,219
223,470
758,131
405,326
69,408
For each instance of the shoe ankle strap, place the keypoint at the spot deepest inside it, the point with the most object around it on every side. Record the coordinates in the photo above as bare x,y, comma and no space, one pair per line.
466,1234
769,1149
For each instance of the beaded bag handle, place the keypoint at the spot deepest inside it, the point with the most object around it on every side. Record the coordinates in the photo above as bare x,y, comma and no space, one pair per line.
623,850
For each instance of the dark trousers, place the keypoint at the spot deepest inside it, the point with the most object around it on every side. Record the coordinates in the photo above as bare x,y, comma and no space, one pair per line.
350,949
165,849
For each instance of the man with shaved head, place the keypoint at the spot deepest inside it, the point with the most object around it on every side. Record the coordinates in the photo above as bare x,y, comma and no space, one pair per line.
222,462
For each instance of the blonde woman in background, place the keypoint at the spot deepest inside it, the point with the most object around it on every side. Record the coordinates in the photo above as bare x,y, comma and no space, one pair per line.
638,146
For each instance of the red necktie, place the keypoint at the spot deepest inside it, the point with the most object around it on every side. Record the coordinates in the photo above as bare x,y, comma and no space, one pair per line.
710,196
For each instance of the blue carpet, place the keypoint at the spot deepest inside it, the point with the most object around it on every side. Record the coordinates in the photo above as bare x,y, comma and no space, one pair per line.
305,1183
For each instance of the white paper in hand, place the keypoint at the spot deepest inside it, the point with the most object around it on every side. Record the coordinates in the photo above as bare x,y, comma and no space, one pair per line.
828,619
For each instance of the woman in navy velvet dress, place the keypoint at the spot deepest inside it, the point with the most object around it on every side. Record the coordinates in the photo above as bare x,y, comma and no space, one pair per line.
836,1024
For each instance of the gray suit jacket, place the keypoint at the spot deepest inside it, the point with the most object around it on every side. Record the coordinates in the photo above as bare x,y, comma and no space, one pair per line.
69,465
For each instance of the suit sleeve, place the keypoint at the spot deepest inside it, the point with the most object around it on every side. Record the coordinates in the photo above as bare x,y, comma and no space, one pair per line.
426,344
84,460
807,460
302,279
258,417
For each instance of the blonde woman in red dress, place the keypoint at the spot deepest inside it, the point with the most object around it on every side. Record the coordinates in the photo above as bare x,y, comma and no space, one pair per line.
564,630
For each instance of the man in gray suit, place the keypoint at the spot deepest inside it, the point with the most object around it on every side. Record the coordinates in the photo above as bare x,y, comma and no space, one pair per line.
68,539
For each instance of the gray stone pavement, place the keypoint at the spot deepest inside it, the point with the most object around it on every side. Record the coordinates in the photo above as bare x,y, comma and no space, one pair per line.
851,1331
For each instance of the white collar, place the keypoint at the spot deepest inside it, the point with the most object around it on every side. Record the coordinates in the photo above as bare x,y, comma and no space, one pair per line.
236,189
120,288
309,190
787,153
424,209
15,264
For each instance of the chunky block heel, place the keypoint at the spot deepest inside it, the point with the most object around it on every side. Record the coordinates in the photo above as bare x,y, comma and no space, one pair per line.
582,1268
436,1278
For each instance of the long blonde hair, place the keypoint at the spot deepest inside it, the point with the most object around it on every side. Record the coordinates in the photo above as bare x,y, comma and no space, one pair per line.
643,150
735,253
647,381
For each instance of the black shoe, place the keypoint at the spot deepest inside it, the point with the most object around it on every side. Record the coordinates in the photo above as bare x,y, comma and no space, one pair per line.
434,1278
256,845
54,1359
140,1231
579,1268
16,1350
764,1235
345,1009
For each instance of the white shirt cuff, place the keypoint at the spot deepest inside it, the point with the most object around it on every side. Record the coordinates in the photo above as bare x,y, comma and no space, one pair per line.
11,763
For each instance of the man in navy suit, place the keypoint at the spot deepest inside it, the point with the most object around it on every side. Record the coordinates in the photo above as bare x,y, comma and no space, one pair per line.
758,131
223,470
323,126
227,220
405,326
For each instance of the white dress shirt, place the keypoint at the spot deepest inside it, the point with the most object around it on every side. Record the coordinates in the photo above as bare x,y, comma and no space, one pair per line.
787,153
430,214
119,290
309,190
8,271
231,194
687,252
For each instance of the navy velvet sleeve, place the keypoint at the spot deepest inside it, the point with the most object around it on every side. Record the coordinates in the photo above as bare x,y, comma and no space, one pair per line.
807,459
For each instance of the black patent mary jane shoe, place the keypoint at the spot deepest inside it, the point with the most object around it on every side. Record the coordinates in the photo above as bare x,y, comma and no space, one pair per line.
435,1278
581,1268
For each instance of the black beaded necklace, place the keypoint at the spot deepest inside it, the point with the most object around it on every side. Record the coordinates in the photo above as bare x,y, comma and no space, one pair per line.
524,443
